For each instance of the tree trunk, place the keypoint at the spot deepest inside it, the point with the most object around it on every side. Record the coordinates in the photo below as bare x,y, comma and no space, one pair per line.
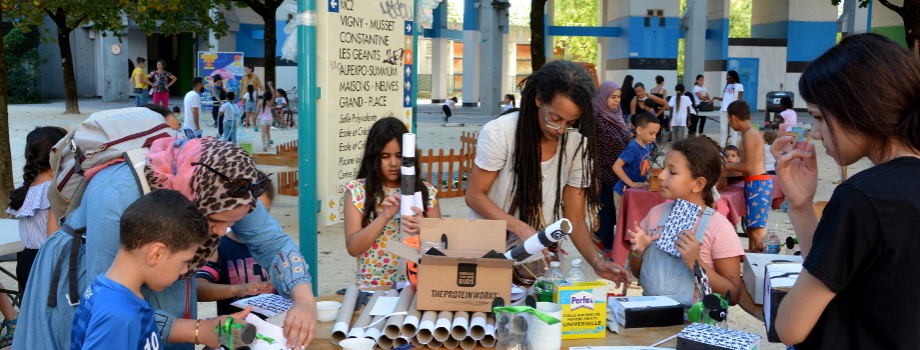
271,44
911,17
70,82
6,159
537,29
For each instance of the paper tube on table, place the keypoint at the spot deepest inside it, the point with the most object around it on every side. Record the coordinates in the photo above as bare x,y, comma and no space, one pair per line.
376,331
406,299
385,343
400,341
411,322
536,243
426,327
407,190
460,325
478,325
489,340
434,344
468,343
442,326
415,343
451,343
340,329
357,331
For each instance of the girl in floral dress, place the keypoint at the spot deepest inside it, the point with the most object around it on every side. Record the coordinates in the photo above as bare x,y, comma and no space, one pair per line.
367,232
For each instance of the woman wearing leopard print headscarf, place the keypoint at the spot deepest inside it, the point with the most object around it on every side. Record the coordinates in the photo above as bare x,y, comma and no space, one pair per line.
221,178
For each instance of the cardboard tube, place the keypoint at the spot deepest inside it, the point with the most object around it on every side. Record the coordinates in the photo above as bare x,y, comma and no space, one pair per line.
415,343
357,331
407,190
411,322
425,332
442,326
377,330
489,340
346,312
434,344
385,343
536,243
451,343
460,325
468,343
400,341
478,325
393,325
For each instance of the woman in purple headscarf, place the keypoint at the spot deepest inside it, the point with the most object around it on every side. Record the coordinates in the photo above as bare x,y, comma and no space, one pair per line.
612,137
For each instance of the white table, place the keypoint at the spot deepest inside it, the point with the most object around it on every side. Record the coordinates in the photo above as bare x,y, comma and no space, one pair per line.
9,237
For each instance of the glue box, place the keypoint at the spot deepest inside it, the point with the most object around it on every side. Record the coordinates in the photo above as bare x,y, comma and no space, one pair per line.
646,311
698,336
584,309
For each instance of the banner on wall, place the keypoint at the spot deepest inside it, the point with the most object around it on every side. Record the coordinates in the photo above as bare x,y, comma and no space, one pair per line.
365,72
229,65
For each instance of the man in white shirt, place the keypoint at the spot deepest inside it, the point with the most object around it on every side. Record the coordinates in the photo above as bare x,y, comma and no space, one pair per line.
193,105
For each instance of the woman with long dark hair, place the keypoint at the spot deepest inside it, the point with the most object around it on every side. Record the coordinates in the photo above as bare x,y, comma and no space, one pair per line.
733,91
859,287
613,136
627,94
539,165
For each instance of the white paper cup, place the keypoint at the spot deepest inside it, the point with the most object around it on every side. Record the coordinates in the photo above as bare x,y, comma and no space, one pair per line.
538,345
358,344
546,337
326,311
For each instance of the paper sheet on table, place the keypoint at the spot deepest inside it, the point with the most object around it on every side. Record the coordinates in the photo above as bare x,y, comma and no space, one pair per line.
643,301
267,330
616,348
266,304
384,306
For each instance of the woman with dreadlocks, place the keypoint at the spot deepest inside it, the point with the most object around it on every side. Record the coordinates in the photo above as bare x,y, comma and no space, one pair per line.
530,162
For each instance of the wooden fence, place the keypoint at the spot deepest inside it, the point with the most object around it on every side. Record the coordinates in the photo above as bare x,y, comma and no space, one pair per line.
447,172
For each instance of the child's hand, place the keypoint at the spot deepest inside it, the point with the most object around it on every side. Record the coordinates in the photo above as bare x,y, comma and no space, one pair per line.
255,288
688,247
798,172
390,206
412,223
640,240
639,185
207,327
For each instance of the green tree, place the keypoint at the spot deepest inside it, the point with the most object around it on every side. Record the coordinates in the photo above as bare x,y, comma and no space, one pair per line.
537,39
267,10
577,13
6,158
107,16
739,24
910,14
25,62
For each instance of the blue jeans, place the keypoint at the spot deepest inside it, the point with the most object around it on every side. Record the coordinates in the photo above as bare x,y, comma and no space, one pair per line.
140,99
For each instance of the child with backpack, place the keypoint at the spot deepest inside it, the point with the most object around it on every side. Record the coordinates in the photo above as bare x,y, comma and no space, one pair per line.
372,206
29,203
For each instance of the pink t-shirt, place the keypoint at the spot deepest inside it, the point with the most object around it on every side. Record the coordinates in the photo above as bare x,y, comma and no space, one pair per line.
720,240
790,119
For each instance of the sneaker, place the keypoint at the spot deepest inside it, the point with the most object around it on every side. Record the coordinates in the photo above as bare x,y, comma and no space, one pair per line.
10,326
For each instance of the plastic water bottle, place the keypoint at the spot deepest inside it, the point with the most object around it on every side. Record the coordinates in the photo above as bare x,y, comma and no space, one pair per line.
771,242
553,276
575,273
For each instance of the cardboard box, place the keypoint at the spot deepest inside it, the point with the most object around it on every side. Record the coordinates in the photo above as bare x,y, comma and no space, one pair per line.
584,309
778,280
754,270
651,311
698,336
462,280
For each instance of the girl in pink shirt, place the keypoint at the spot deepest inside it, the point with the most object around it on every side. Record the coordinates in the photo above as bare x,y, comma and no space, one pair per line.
712,241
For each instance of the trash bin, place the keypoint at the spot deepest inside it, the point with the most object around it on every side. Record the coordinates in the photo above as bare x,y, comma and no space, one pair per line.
771,120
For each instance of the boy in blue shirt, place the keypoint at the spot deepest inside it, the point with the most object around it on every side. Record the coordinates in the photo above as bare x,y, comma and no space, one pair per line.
632,166
160,233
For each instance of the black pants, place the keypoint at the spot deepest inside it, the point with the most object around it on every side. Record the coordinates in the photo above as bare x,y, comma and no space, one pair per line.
697,122
218,119
447,113
24,261
607,217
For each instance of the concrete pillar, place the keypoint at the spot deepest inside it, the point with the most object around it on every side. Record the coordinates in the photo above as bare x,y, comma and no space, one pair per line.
717,17
549,18
440,56
693,21
114,82
494,23
853,20
471,53
809,27
646,45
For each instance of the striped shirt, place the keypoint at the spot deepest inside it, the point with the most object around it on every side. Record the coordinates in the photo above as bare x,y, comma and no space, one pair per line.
33,216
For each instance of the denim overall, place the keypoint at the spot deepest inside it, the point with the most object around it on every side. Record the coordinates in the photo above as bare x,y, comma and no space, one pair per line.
664,275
